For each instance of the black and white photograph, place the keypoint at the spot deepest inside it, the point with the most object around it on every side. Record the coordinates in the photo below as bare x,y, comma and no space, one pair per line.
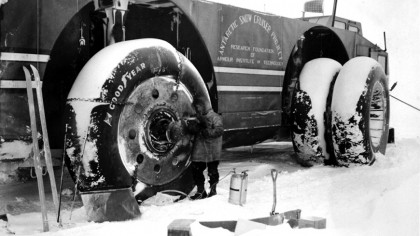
209,117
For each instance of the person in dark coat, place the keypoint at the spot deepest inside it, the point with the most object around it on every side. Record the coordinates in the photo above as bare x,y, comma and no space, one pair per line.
206,150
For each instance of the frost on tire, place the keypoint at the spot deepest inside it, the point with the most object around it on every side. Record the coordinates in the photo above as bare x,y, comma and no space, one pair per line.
309,105
304,129
348,137
360,112
118,111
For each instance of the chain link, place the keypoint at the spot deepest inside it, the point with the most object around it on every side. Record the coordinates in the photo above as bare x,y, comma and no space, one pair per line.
98,100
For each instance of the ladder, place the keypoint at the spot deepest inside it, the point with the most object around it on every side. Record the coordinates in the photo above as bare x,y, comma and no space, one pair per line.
32,73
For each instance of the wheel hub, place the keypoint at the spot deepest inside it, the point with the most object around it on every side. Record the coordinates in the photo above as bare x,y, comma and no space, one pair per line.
144,147
156,127
377,114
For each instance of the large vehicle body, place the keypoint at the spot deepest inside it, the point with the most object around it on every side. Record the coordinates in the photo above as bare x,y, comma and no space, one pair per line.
249,63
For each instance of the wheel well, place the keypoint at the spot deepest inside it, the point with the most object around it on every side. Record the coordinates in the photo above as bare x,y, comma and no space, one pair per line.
317,42
68,56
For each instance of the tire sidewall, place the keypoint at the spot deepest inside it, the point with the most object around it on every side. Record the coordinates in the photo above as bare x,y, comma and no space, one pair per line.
308,124
127,75
351,104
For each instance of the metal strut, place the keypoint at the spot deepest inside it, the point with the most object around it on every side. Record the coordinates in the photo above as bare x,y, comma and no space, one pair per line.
114,27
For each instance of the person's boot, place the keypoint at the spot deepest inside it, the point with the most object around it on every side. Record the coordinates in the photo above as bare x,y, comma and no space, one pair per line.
213,177
212,191
200,194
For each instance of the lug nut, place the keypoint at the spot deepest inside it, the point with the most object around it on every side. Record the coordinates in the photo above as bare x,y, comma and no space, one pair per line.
140,158
132,134
157,168
155,93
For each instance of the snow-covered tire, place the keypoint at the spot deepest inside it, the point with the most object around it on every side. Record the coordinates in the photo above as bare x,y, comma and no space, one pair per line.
308,108
360,111
117,114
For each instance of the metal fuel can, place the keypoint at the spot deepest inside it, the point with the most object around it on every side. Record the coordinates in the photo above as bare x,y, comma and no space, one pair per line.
238,188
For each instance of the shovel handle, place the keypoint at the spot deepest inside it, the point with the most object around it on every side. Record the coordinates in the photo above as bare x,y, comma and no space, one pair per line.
274,177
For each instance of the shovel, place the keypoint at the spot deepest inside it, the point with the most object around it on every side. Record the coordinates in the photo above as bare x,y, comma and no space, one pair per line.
274,177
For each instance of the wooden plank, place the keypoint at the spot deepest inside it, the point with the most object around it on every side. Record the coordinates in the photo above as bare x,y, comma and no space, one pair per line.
313,222
244,226
37,165
12,56
47,149
15,84
226,224
271,220
180,227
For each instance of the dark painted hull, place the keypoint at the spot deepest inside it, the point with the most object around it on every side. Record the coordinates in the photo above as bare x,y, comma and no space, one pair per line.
243,56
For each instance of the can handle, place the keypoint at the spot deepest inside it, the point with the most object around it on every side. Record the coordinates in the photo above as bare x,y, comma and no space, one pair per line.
241,191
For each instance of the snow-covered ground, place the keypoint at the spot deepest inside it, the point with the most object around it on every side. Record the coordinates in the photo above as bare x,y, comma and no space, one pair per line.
382,199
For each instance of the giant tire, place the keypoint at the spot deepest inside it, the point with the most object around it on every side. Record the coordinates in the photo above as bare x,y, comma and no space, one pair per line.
360,112
117,113
308,108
